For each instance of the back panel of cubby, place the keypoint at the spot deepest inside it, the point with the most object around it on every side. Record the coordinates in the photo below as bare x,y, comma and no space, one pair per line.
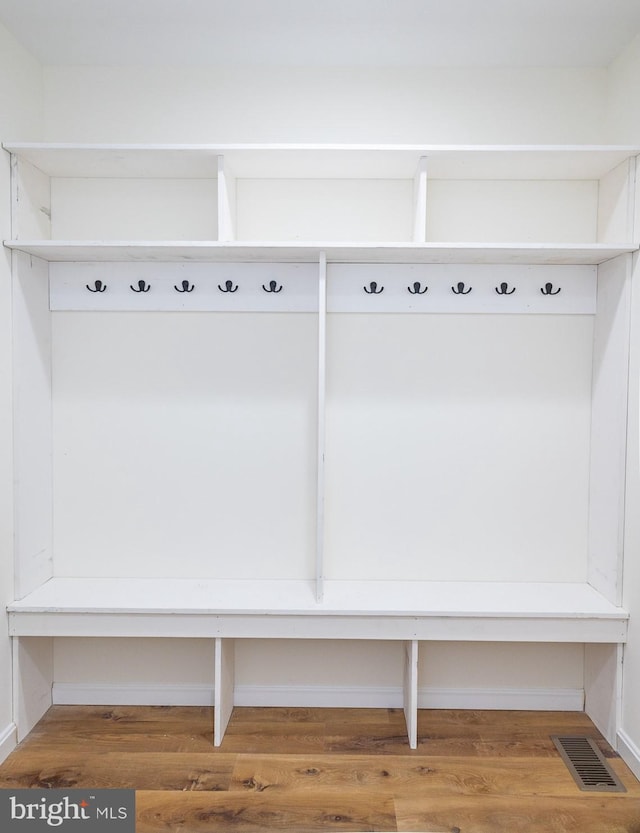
512,211
382,210
134,209
457,447
316,209
184,444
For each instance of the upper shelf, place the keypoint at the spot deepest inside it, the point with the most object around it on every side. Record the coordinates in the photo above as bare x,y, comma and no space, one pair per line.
577,162
205,251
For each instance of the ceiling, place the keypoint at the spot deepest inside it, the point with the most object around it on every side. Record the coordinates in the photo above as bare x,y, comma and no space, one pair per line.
403,33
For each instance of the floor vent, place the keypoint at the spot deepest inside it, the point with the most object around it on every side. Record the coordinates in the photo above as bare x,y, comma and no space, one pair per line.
587,764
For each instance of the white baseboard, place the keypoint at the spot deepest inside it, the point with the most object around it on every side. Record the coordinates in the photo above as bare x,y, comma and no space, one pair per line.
131,694
364,697
508,699
8,741
629,752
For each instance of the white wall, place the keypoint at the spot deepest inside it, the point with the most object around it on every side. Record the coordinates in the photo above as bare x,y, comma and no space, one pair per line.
20,116
289,105
623,125
324,105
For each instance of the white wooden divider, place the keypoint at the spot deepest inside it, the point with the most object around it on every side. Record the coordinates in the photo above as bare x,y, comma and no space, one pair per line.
322,389
410,691
224,682
608,428
420,202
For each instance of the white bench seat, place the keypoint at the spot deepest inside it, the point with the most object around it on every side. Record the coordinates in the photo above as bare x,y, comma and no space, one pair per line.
567,612
225,610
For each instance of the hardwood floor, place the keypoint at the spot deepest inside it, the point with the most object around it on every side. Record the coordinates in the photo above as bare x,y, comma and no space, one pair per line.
327,769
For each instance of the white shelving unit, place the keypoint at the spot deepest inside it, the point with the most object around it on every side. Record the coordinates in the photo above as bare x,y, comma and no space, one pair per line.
371,425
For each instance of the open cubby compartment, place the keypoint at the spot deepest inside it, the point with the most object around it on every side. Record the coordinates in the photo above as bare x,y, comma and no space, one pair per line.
184,445
336,194
436,194
114,193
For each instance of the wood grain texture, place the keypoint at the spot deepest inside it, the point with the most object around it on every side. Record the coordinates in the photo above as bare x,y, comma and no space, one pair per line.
206,812
327,769
496,814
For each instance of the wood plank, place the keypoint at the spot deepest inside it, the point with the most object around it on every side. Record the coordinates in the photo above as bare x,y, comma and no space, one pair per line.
406,776
50,769
134,729
200,812
586,813
260,736
315,714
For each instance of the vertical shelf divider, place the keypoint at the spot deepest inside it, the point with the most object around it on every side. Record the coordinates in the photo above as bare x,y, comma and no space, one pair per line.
226,204
420,202
410,691
224,685
322,389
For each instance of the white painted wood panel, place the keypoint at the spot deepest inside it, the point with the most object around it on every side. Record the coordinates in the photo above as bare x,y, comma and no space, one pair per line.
458,447
616,203
410,691
185,444
609,428
134,209
226,203
224,687
603,687
457,288
420,187
512,211
325,160
321,423
319,209
30,200
186,287
32,433
32,681
198,250
352,598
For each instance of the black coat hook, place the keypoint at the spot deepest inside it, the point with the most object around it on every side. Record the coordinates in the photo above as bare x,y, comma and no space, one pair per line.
143,286
548,289
504,289
273,287
228,287
460,290
373,289
185,287
97,287
415,289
